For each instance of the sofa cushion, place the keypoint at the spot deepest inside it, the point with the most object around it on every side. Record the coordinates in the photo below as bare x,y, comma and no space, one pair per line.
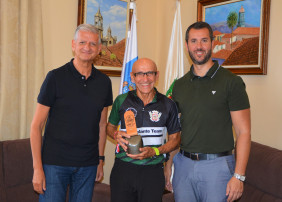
168,197
17,161
1,165
2,194
264,174
102,192
21,193
253,194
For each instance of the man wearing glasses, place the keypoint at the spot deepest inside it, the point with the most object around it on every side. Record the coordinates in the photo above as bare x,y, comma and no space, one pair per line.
140,177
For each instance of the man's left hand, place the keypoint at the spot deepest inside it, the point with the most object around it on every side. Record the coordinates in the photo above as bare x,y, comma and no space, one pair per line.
234,189
146,152
167,174
100,172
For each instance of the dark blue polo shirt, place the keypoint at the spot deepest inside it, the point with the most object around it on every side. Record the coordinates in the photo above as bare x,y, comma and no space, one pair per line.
72,129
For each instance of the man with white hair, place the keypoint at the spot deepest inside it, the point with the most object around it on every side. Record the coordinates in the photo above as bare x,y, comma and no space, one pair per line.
74,100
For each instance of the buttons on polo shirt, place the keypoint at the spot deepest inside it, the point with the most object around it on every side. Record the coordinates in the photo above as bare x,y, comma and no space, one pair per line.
83,78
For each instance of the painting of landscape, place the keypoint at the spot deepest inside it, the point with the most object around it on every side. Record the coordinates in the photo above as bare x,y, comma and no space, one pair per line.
236,27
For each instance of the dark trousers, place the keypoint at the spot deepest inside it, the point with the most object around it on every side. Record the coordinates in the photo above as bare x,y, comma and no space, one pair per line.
136,183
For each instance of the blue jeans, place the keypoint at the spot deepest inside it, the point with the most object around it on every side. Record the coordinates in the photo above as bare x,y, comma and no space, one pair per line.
79,179
202,181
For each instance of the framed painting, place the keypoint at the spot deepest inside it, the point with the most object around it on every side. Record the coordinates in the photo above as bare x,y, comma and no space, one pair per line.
111,19
240,29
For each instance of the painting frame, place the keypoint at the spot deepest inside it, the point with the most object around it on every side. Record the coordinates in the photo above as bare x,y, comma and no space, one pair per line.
110,71
261,68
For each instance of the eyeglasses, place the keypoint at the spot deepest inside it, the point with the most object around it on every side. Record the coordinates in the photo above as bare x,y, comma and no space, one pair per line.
142,74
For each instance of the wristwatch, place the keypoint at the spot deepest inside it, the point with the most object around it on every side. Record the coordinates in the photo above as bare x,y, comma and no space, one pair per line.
240,177
102,158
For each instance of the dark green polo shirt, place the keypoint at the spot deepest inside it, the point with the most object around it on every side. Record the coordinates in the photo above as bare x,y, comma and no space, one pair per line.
205,104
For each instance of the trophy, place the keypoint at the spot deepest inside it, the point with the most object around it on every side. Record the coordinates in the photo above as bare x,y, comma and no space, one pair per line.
135,141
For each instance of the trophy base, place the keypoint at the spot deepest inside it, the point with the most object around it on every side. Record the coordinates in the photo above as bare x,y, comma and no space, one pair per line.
134,144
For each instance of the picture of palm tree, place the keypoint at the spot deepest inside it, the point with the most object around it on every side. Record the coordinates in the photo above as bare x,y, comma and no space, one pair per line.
232,21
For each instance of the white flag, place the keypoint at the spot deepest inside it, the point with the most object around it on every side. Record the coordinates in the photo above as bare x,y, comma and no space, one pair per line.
174,65
130,55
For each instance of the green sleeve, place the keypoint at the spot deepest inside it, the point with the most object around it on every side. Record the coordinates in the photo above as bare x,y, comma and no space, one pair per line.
114,116
174,94
237,96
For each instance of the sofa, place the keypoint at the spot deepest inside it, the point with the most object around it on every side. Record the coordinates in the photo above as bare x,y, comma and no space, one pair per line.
263,182
264,175
16,172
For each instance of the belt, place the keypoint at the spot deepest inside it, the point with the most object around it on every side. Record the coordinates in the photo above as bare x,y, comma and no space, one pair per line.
200,156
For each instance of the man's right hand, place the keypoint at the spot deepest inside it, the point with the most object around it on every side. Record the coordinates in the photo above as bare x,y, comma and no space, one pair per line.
38,181
120,139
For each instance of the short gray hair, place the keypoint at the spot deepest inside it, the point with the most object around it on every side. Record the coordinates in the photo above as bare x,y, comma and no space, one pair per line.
87,28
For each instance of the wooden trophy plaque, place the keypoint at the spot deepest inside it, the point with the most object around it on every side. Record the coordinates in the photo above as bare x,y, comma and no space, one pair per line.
135,141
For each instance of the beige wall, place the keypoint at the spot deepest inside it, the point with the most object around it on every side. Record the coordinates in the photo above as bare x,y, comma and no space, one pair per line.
265,92
154,28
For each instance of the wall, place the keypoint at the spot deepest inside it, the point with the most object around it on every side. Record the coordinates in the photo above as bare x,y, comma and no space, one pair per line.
154,28
265,92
